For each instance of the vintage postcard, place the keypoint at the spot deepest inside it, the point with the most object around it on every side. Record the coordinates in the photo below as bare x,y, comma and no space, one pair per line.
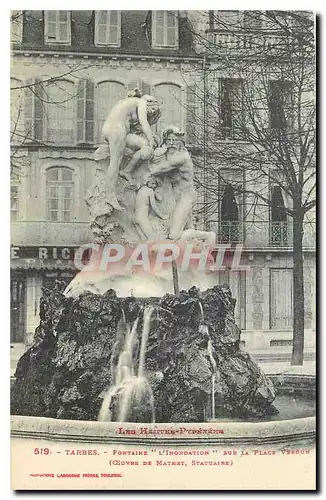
163,228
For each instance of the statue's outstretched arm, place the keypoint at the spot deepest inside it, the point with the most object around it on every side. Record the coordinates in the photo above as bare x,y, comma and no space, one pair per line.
142,117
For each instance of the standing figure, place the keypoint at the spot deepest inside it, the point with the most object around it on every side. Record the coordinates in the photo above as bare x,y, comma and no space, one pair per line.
128,125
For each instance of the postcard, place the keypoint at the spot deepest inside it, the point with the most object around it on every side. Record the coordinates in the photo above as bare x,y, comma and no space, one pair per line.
163,250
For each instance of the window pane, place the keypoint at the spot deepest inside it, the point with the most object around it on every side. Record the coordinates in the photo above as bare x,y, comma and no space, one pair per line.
52,174
59,196
114,17
66,174
67,192
53,204
63,15
52,15
66,216
59,111
53,216
102,17
53,192
67,204
171,19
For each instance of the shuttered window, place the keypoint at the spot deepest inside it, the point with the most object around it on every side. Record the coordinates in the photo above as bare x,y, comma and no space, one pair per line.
16,111
107,95
34,110
59,120
85,112
165,28
169,97
108,27
57,26
281,299
59,190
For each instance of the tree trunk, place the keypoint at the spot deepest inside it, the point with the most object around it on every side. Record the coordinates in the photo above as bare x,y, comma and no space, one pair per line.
298,291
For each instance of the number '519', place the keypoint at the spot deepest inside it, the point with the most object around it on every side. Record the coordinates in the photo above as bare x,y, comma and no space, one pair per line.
41,451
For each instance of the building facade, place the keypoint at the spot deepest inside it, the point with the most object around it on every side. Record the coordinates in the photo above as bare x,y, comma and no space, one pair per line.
68,69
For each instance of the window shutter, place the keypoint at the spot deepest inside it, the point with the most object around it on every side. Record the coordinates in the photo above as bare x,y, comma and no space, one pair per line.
38,110
33,111
64,25
172,28
191,115
158,27
85,112
81,111
51,24
28,112
101,26
113,27
89,112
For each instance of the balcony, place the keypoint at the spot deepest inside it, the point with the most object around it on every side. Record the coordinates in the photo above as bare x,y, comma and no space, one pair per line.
38,233
230,232
245,40
278,234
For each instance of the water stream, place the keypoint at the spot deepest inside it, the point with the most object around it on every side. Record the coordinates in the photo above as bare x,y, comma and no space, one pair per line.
130,391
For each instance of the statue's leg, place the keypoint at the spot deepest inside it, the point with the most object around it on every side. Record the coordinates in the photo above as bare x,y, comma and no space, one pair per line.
181,213
143,152
117,142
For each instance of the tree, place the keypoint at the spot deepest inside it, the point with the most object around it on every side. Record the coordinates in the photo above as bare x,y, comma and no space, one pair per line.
256,95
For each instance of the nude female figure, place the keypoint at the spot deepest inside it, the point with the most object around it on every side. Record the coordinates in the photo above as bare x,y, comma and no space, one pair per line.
128,119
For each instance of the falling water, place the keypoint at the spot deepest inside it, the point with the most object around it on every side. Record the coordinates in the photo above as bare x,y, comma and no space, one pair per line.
147,316
123,330
130,390
201,311
203,329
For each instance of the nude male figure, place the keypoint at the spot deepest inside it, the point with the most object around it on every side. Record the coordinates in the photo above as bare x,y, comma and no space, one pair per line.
123,119
175,160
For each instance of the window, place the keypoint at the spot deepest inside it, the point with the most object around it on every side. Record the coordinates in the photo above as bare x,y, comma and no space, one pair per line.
231,105
14,202
108,94
169,97
229,217
280,104
165,28
59,189
59,103
281,298
16,111
279,225
57,26
108,27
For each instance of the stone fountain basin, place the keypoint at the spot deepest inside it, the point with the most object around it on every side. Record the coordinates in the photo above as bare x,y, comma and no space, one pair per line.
237,433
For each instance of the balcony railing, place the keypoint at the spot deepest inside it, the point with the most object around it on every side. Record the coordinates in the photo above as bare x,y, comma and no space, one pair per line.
230,232
244,40
279,234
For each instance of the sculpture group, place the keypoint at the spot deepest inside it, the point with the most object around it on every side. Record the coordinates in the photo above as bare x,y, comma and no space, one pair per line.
146,189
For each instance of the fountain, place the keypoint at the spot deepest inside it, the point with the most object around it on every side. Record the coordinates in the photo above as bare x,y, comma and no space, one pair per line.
103,354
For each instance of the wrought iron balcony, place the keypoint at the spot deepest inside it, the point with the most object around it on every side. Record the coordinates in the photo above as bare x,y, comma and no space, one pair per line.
230,232
278,234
